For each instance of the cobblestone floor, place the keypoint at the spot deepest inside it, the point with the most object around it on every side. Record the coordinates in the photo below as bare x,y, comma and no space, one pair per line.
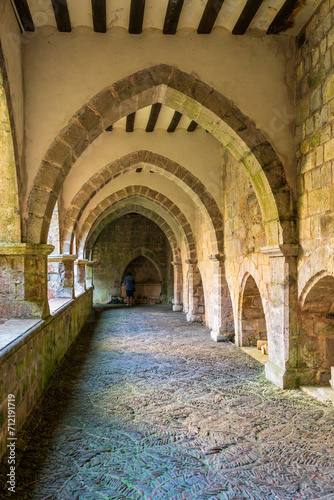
146,406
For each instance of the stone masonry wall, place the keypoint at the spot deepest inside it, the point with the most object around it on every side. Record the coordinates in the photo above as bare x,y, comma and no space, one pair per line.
315,131
244,236
315,148
28,365
114,250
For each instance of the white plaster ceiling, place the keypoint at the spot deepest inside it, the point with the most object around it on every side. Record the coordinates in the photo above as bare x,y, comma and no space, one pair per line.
118,14
165,116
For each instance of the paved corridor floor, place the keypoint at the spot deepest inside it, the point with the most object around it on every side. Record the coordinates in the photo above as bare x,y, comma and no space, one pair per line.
146,406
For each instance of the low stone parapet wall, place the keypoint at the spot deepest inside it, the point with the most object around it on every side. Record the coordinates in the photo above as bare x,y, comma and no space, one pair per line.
29,359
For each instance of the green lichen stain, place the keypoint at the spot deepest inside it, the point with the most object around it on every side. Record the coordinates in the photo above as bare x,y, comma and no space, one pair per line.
315,78
315,140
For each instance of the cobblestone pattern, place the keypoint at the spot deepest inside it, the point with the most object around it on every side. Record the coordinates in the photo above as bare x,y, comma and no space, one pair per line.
26,368
146,406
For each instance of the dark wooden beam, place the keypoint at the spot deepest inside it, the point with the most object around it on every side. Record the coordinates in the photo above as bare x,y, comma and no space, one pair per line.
99,16
136,16
172,16
209,16
284,17
130,121
62,15
155,110
192,126
246,16
174,122
23,11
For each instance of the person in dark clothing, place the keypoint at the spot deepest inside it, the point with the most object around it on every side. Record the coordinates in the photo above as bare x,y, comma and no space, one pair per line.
129,283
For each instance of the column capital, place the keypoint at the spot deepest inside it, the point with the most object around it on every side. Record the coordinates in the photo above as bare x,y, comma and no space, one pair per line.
287,250
176,263
81,262
216,257
192,262
90,262
62,258
25,249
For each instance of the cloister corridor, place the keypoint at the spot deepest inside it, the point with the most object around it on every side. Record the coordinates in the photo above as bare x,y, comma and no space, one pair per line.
146,406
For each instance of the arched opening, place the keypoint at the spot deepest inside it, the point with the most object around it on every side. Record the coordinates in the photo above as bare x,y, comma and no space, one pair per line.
136,241
317,331
183,93
153,162
148,281
253,322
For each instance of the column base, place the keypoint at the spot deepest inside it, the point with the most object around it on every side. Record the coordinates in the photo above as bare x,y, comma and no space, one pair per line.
177,307
284,379
194,318
221,336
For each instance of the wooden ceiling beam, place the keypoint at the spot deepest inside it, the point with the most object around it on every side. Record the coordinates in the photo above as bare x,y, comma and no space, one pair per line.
155,110
62,15
136,16
246,16
192,126
130,122
174,122
99,16
172,16
24,13
284,17
209,16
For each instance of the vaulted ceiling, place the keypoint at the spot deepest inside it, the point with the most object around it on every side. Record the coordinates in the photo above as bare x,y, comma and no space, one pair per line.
200,16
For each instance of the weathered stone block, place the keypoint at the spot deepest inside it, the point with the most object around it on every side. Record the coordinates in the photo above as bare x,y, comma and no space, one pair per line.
328,90
318,201
329,150
76,137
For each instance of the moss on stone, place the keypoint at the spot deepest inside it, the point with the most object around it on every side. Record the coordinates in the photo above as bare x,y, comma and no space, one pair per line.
315,140
316,77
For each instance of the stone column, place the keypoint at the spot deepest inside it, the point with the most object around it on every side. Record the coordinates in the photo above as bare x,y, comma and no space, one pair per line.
178,284
80,275
282,330
23,280
61,276
89,274
223,324
192,315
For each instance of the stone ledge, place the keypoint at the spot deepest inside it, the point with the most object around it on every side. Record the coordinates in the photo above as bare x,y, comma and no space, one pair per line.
14,328
25,249
322,394
255,353
27,333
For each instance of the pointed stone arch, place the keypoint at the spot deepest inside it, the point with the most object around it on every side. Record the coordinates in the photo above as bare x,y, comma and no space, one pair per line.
106,218
164,166
182,222
139,252
249,269
253,325
316,330
197,100
115,214
143,192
